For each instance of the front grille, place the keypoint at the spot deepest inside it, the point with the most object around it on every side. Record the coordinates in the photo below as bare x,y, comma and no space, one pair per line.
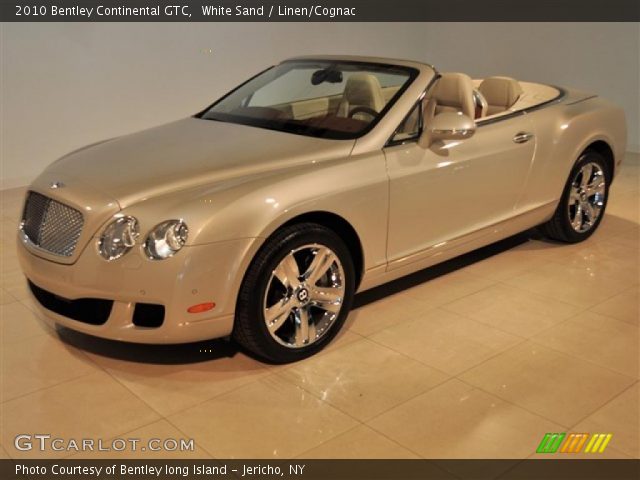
94,311
51,225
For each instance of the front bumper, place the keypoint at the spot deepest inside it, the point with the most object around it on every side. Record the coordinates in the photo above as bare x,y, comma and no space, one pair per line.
197,274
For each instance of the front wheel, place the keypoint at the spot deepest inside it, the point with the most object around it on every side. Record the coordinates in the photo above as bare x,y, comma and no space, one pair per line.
296,294
583,201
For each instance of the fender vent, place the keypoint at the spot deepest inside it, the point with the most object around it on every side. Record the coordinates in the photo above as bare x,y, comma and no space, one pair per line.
93,311
148,315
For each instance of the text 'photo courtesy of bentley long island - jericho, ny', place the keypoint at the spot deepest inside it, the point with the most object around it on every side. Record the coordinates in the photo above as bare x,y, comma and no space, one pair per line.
261,216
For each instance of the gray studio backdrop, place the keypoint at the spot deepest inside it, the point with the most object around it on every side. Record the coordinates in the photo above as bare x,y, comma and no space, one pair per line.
67,85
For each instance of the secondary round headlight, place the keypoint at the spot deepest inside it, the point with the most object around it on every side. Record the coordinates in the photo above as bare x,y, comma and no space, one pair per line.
166,239
118,238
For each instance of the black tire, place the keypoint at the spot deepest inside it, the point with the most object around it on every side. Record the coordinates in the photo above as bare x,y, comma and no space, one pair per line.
559,226
250,329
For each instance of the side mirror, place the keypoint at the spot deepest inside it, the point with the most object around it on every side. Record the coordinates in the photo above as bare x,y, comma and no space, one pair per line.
450,126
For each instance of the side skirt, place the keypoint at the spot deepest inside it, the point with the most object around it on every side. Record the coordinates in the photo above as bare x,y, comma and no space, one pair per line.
455,247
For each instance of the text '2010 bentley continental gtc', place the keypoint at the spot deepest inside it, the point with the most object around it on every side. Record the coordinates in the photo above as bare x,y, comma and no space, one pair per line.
262,215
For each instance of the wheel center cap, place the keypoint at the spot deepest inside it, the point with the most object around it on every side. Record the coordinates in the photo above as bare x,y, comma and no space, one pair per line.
302,295
583,197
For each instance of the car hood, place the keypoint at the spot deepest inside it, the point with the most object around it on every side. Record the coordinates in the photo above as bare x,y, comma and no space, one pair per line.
187,153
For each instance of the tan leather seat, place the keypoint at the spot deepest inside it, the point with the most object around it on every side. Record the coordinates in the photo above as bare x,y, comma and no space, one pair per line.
361,90
500,92
453,93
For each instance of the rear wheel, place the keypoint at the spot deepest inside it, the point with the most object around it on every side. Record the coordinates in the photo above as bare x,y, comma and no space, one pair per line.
583,201
296,294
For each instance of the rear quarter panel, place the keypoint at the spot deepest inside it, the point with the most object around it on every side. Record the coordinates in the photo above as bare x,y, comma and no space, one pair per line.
563,131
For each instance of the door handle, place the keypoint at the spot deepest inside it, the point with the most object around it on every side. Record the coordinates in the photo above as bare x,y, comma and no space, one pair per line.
522,137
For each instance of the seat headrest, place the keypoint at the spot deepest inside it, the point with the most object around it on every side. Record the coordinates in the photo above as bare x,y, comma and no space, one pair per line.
364,89
454,91
500,92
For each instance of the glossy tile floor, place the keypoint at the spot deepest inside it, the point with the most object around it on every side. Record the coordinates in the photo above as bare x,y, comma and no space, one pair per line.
477,358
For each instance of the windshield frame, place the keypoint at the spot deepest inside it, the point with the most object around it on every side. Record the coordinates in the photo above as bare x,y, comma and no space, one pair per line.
305,130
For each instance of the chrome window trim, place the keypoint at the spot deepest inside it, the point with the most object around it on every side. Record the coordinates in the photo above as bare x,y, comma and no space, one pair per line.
391,142
413,138
562,93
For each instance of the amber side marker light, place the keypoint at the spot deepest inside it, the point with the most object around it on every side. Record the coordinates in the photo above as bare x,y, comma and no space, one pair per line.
201,307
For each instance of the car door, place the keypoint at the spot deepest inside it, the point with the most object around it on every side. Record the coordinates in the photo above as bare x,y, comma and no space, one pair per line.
441,195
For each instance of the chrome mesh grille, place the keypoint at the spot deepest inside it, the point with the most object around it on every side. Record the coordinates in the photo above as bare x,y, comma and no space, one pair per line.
51,225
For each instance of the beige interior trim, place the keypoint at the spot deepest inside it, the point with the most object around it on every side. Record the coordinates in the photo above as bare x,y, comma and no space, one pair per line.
532,94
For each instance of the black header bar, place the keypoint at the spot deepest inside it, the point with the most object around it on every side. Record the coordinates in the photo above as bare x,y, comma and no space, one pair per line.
547,469
321,11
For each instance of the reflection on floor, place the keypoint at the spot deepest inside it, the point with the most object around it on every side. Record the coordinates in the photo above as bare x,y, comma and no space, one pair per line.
479,357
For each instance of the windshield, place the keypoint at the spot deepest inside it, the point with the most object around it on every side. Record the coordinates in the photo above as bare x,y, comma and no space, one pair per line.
326,99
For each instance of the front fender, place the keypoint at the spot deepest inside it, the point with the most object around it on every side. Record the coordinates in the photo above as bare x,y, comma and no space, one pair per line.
354,188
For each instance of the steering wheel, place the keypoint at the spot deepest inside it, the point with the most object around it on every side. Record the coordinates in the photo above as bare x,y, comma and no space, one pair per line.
363,109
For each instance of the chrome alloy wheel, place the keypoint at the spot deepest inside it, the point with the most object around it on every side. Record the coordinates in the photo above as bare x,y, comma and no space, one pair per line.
587,197
304,296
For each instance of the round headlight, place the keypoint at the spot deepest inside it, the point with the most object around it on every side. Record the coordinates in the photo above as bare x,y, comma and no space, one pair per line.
166,239
118,238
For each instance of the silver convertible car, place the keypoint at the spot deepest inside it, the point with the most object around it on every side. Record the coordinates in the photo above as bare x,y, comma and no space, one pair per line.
262,215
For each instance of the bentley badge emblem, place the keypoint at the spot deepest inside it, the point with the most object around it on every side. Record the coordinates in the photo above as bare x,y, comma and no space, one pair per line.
54,185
